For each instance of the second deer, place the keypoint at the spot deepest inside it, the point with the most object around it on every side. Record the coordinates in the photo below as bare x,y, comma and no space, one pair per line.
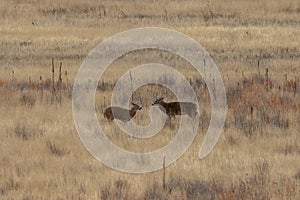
176,108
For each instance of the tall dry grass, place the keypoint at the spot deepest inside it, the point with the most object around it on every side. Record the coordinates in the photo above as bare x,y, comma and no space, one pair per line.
257,155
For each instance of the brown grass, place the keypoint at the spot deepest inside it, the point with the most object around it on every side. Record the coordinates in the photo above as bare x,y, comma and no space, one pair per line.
257,156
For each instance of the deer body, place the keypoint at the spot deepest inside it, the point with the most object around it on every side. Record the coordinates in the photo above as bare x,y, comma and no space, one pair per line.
176,108
119,113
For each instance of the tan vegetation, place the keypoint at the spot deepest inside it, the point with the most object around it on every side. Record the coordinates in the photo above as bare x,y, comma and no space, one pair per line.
255,44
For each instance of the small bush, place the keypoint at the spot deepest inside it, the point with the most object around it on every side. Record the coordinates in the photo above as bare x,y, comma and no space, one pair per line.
106,193
154,193
260,181
291,148
12,184
199,190
24,132
55,149
119,191
173,184
27,99
297,175
121,188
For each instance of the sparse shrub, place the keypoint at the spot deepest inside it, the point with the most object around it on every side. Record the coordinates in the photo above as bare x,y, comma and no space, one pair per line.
263,115
248,126
121,188
204,120
286,188
119,191
106,192
55,149
240,190
155,192
173,184
230,140
27,99
12,184
218,186
297,175
199,190
255,187
280,122
104,86
55,11
24,132
262,173
239,120
82,190
260,182
291,148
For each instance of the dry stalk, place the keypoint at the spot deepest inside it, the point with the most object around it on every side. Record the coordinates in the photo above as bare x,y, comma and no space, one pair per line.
67,80
41,87
13,78
267,79
59,77
53,86
164,173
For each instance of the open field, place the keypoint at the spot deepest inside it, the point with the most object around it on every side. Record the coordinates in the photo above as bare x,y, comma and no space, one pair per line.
258,154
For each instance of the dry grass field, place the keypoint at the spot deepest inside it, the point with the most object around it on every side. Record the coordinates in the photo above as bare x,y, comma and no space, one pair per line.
258,154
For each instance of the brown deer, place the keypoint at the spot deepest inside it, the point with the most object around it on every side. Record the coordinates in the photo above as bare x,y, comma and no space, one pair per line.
176,108
114,112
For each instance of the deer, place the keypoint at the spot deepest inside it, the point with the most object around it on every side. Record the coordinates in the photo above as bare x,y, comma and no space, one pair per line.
115,112
176,108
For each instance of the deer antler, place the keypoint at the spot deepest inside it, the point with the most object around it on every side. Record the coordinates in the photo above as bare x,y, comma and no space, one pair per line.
136,103
156,97
160,98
